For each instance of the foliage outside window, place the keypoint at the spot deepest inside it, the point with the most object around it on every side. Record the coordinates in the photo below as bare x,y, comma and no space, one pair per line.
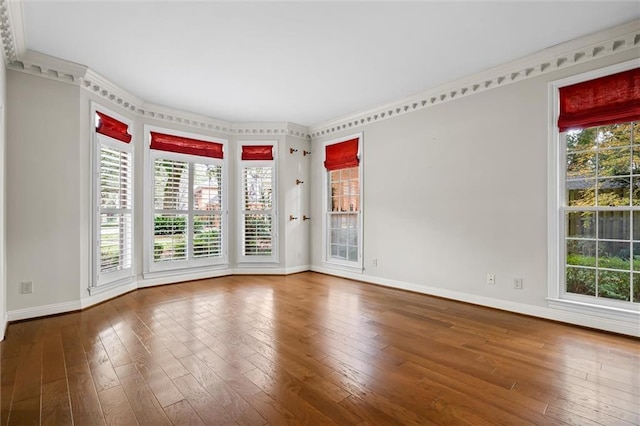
187,222
602,212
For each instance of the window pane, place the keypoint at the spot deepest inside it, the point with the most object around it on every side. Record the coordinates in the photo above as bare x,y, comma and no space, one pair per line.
636,190
613,255
635,161
581,164
115,178
171,183
581,281
636,288
614,162
581,252
207,187
581,140
257,188
353,253
581,224
169,242
207,241
257,235
614,192
614,135
353,237
581,192
614,285
614,225
636,256
115,242
636,225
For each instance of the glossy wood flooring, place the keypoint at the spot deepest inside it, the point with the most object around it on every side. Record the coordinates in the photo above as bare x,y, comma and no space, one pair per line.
310,349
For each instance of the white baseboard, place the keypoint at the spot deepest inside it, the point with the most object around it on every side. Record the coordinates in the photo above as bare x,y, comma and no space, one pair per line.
176,278
41,311
3,326
270,271
628,326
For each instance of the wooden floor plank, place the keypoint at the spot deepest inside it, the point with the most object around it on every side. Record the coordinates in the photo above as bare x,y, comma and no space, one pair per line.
310,349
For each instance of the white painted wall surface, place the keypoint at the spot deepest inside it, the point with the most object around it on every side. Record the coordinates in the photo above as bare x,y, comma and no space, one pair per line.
43,191
458,190
3,202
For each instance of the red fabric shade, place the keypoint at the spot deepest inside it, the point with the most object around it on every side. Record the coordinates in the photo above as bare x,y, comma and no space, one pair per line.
182,145
113,128
257,152
606,100
342,155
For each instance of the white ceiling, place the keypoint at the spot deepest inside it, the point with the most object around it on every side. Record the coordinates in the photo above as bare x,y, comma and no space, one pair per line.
303,62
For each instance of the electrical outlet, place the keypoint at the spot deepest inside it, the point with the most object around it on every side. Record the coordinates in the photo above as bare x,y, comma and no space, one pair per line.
491,279
375,262
26,287
517,283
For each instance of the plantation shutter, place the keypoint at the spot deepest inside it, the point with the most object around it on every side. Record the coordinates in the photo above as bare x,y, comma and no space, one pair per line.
611,99
342,155
182,145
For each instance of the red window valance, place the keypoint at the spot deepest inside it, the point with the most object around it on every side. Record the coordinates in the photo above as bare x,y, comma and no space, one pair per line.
606,100
113,128
183,145
257,152
342,155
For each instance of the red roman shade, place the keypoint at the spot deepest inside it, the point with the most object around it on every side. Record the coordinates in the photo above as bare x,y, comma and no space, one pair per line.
113,128
342,155
257,152
606,100
183,145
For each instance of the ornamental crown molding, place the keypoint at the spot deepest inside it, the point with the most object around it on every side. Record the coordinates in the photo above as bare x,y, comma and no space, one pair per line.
564,55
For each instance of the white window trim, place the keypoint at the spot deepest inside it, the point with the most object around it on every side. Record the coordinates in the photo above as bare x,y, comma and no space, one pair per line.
556,296
327,261
273,257
103,282
176,268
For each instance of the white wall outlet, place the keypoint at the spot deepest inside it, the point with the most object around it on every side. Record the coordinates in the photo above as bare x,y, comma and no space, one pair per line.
26,287
375,262
491,279
517,283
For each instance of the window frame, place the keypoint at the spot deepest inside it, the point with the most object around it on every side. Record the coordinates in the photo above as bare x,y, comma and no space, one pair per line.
327,260
104,281
190,264
241,164
557,296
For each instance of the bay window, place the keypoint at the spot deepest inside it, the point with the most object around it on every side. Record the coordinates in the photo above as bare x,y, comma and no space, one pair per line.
113,201
257,203
188,214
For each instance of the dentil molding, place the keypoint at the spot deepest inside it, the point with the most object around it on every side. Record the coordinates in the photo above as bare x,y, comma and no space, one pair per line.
581,50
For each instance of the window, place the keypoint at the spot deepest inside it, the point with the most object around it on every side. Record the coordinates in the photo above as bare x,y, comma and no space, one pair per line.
257,203
113,200
343,221
189,218
598,136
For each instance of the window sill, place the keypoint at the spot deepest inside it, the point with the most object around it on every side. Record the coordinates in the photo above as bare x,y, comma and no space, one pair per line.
356,269
612,313
110,286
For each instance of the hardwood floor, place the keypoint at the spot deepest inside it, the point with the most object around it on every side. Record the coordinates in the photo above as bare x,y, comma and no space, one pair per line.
310,349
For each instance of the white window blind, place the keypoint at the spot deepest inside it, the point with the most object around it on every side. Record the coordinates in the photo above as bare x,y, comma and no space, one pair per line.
257,211
188,211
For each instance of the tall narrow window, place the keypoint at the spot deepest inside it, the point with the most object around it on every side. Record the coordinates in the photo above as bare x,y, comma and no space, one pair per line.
344,208
257,220
599,133
188,200
114,199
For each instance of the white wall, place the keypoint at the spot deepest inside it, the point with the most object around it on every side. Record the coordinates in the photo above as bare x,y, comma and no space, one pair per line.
3,203
458,190
43,191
